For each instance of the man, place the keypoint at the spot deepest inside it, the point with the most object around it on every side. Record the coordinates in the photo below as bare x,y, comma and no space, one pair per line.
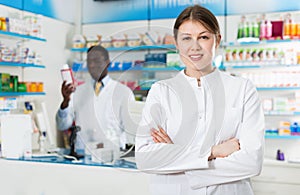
99,106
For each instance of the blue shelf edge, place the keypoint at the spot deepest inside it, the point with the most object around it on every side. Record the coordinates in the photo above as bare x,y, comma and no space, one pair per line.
282,136
259,42
21,36
141,69
141,47
260,66
241,66
276,88
169,68
282,113
6,94
21,65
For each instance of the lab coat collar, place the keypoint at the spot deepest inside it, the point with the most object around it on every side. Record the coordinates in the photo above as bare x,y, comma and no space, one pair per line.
104,81
206,78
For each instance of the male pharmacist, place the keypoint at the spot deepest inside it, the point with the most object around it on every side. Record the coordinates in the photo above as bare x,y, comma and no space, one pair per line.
99,106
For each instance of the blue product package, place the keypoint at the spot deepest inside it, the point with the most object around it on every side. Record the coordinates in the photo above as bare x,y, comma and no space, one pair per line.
126,65
114,66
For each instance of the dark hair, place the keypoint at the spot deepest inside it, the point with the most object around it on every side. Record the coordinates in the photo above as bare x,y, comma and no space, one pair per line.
101,49
199,14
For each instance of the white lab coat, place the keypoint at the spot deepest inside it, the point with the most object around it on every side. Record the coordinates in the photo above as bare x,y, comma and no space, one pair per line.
100,117
196,118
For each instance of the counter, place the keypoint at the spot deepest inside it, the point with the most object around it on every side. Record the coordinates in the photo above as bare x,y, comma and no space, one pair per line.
33,177
277,178
43,176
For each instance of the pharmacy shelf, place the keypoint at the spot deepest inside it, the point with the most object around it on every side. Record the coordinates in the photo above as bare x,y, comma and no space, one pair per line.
270,89
282,136
21,65
174,68
277,88
12,94
281,113
20,36
142,47
260,66
245,43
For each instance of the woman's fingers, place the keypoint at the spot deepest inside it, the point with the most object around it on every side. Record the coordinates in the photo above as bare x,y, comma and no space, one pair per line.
160,136
157,136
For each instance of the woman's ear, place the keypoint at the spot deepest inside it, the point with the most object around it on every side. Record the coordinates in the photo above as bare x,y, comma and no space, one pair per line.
218,40
176,45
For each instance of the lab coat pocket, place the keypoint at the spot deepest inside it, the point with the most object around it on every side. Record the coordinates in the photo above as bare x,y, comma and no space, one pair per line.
231,124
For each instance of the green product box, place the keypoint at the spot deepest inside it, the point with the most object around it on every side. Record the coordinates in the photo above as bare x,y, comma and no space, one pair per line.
22,87
4,82
14,83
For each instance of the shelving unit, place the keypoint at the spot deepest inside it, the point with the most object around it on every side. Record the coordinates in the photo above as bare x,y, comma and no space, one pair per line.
282,113
277,88
265,68
142,47
20,36
260,66
9,94
140,69
21,65
144,69
16,36
282,136
259,42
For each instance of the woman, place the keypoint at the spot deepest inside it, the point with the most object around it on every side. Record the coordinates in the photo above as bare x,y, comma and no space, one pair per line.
202,131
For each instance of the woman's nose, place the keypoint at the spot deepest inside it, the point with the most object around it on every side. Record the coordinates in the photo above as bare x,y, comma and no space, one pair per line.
196,45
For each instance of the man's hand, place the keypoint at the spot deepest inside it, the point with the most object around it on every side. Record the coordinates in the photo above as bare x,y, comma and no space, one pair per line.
66,91
160,136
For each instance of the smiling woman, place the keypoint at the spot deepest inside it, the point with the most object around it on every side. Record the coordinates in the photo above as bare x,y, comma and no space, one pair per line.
197,36
201,132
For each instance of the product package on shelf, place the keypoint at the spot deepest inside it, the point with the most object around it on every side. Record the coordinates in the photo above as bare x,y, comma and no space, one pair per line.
30,25
19,54
263,28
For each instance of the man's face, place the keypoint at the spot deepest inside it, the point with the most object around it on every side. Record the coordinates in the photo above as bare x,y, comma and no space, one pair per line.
96,64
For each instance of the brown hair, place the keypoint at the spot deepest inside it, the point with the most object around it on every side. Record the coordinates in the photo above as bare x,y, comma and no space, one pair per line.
199,14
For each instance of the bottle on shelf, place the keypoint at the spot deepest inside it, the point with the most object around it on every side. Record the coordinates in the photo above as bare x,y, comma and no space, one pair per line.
262,28
255,30
241,28
287,25
268,30
293,28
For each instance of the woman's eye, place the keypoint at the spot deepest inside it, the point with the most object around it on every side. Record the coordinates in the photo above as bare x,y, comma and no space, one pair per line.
186,38
203,37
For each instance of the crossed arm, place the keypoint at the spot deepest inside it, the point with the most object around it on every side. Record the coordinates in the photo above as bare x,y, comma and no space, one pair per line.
222,150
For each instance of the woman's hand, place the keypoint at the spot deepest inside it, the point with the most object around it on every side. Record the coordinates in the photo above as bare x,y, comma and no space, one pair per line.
225,149
160,136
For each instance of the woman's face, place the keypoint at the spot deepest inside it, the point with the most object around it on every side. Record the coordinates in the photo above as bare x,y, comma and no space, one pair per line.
196,46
